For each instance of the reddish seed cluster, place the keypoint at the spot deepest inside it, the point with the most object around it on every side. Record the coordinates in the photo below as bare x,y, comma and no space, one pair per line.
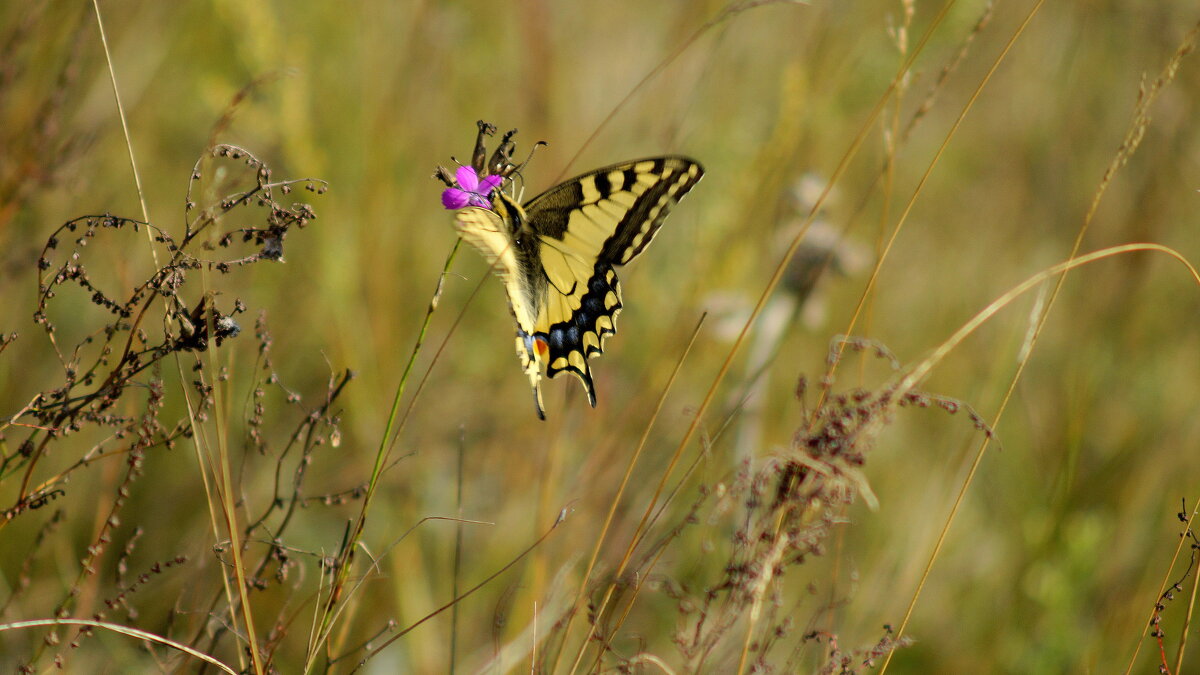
790,505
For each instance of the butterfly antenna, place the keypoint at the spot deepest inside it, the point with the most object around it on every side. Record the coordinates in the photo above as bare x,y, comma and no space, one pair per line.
517,171
521,166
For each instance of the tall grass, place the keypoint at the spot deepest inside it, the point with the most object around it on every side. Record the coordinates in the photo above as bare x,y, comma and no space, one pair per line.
907,383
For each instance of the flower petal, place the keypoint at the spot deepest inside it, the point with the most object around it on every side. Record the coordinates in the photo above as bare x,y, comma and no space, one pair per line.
467,178
480,201
454,199
490,183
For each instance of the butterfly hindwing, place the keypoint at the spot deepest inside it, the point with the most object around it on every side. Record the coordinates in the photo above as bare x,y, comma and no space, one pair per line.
580,332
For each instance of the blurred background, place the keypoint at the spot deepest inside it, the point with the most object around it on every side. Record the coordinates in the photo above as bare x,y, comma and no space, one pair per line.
1057,557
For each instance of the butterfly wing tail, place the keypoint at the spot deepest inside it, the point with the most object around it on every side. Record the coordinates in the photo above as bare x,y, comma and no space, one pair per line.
527,351
535,383
577,365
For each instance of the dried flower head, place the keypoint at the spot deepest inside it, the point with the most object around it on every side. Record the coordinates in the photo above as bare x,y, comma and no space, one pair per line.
474,184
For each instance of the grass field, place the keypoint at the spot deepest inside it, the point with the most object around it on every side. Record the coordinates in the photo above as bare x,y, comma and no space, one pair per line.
873,404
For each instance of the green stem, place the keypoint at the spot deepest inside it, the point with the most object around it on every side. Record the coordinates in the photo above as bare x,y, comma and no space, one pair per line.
381,455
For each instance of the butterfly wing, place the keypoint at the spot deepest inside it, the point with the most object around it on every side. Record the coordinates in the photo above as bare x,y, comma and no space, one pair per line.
493,234
585,227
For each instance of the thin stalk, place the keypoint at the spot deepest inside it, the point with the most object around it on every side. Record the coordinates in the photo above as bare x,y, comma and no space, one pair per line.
124,630
616,500
381,455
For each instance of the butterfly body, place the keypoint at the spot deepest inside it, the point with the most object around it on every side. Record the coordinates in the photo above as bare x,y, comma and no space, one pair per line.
556,256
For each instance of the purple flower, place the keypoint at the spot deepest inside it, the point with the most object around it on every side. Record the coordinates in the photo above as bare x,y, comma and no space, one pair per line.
470,191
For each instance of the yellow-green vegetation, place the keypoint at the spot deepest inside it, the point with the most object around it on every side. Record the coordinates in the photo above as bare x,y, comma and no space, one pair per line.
811,451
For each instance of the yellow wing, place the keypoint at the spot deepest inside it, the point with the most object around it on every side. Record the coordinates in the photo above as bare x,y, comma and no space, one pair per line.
516,266
556,256
492,236
586,226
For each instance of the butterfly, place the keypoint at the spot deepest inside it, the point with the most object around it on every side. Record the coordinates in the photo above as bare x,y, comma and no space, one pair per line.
556,256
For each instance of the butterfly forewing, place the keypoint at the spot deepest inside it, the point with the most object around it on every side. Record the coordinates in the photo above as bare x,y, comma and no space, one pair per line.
515,263
612,213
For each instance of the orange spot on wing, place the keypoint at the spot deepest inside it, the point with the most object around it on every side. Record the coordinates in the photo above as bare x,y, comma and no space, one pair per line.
541,346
